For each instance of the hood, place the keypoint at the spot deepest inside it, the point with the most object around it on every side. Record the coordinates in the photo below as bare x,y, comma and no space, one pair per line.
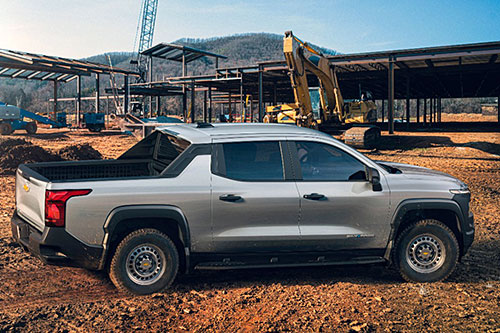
417,172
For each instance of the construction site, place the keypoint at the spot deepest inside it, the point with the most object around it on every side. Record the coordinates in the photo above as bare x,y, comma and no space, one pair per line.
391,105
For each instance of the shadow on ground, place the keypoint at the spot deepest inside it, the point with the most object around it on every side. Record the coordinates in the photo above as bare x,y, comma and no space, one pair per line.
403,143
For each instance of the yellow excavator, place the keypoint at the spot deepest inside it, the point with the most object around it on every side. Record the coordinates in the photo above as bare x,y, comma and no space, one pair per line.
322,105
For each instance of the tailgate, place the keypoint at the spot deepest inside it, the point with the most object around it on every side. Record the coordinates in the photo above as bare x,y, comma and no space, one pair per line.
30,196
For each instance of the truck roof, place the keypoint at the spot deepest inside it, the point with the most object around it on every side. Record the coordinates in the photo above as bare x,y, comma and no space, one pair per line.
198,134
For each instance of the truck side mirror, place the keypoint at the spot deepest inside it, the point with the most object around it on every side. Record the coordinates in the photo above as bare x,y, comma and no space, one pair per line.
374,178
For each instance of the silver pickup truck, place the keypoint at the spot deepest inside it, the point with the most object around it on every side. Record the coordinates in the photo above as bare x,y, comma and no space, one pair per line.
227,196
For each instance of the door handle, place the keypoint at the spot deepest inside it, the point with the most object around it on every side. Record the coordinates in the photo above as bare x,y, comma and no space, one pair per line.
230,197
314,196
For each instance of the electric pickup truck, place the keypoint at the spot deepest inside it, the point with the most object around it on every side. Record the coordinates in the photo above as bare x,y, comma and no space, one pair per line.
228,196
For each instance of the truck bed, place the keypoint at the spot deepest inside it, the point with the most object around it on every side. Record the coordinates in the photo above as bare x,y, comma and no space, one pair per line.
147,158
64,171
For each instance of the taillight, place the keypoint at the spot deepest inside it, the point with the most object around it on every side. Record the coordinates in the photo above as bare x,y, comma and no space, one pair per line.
55,205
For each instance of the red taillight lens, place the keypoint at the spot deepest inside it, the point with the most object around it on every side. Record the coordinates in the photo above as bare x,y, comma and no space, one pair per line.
55,205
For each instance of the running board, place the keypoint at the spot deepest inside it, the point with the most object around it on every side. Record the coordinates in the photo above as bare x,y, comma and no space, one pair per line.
226,263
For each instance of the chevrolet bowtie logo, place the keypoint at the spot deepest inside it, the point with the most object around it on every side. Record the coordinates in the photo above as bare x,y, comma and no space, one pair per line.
26,188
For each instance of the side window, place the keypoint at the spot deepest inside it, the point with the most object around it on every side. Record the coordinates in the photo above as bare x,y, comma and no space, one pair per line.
319,161
253,161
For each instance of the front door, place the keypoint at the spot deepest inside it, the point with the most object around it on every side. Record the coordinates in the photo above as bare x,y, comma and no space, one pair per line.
255,205
339,209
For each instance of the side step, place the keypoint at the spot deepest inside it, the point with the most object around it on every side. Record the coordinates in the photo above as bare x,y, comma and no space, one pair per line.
284,261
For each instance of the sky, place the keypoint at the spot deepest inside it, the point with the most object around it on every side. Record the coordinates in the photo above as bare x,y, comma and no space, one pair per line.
82,28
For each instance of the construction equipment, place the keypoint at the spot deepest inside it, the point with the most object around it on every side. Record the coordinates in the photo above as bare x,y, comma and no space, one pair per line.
324,105
145,31
94,122
12,118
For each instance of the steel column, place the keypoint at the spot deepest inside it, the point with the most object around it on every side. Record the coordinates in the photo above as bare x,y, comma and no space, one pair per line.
97,93
439,109
55,101
192,103
209,104
251,110
242,111
184,97
78,99
126,96
230,106
383,107
408,101
425,111
261,95
150,79
204,106
158,105
390,101
418,110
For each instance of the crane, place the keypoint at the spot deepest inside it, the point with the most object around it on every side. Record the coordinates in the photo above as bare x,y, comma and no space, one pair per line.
145,31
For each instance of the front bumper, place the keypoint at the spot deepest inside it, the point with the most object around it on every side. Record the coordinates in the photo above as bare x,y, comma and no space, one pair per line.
55,246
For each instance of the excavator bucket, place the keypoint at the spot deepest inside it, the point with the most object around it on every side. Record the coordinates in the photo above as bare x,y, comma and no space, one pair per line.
362,136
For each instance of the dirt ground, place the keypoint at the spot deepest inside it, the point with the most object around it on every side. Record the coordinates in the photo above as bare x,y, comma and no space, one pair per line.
36,297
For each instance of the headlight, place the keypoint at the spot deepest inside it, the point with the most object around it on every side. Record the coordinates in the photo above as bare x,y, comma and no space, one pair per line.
460,191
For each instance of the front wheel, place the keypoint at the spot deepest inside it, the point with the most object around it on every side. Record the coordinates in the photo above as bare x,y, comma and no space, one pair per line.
145,262
426,251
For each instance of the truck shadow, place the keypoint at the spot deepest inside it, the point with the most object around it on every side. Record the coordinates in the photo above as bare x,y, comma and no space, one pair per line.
409,142
482,263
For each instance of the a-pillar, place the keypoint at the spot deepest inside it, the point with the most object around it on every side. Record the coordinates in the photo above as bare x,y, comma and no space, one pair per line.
390,97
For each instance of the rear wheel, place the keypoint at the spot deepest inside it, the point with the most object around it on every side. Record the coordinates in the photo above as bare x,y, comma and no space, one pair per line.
5,129
426,251
145,262
31,128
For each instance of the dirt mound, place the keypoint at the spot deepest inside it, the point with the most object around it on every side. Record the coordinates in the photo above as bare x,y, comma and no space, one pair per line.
79,152
17,151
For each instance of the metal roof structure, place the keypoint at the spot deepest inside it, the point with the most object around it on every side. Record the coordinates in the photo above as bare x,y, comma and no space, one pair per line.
30,66
470,70
176,52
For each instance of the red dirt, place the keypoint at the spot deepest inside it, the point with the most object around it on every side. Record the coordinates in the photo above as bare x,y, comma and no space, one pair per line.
37,297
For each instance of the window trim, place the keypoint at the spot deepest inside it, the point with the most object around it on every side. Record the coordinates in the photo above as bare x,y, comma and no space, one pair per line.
292,148
218,162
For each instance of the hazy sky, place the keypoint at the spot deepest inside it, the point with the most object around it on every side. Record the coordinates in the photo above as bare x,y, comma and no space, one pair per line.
78,28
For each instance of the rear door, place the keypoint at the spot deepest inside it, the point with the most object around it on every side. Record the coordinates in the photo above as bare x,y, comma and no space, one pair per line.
339,209
255,203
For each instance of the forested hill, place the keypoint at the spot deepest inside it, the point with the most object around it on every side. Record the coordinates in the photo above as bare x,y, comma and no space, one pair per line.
241,50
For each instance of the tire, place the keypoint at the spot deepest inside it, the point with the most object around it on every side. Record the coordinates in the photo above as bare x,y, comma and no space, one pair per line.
31,128
129,269
426,251
6,129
